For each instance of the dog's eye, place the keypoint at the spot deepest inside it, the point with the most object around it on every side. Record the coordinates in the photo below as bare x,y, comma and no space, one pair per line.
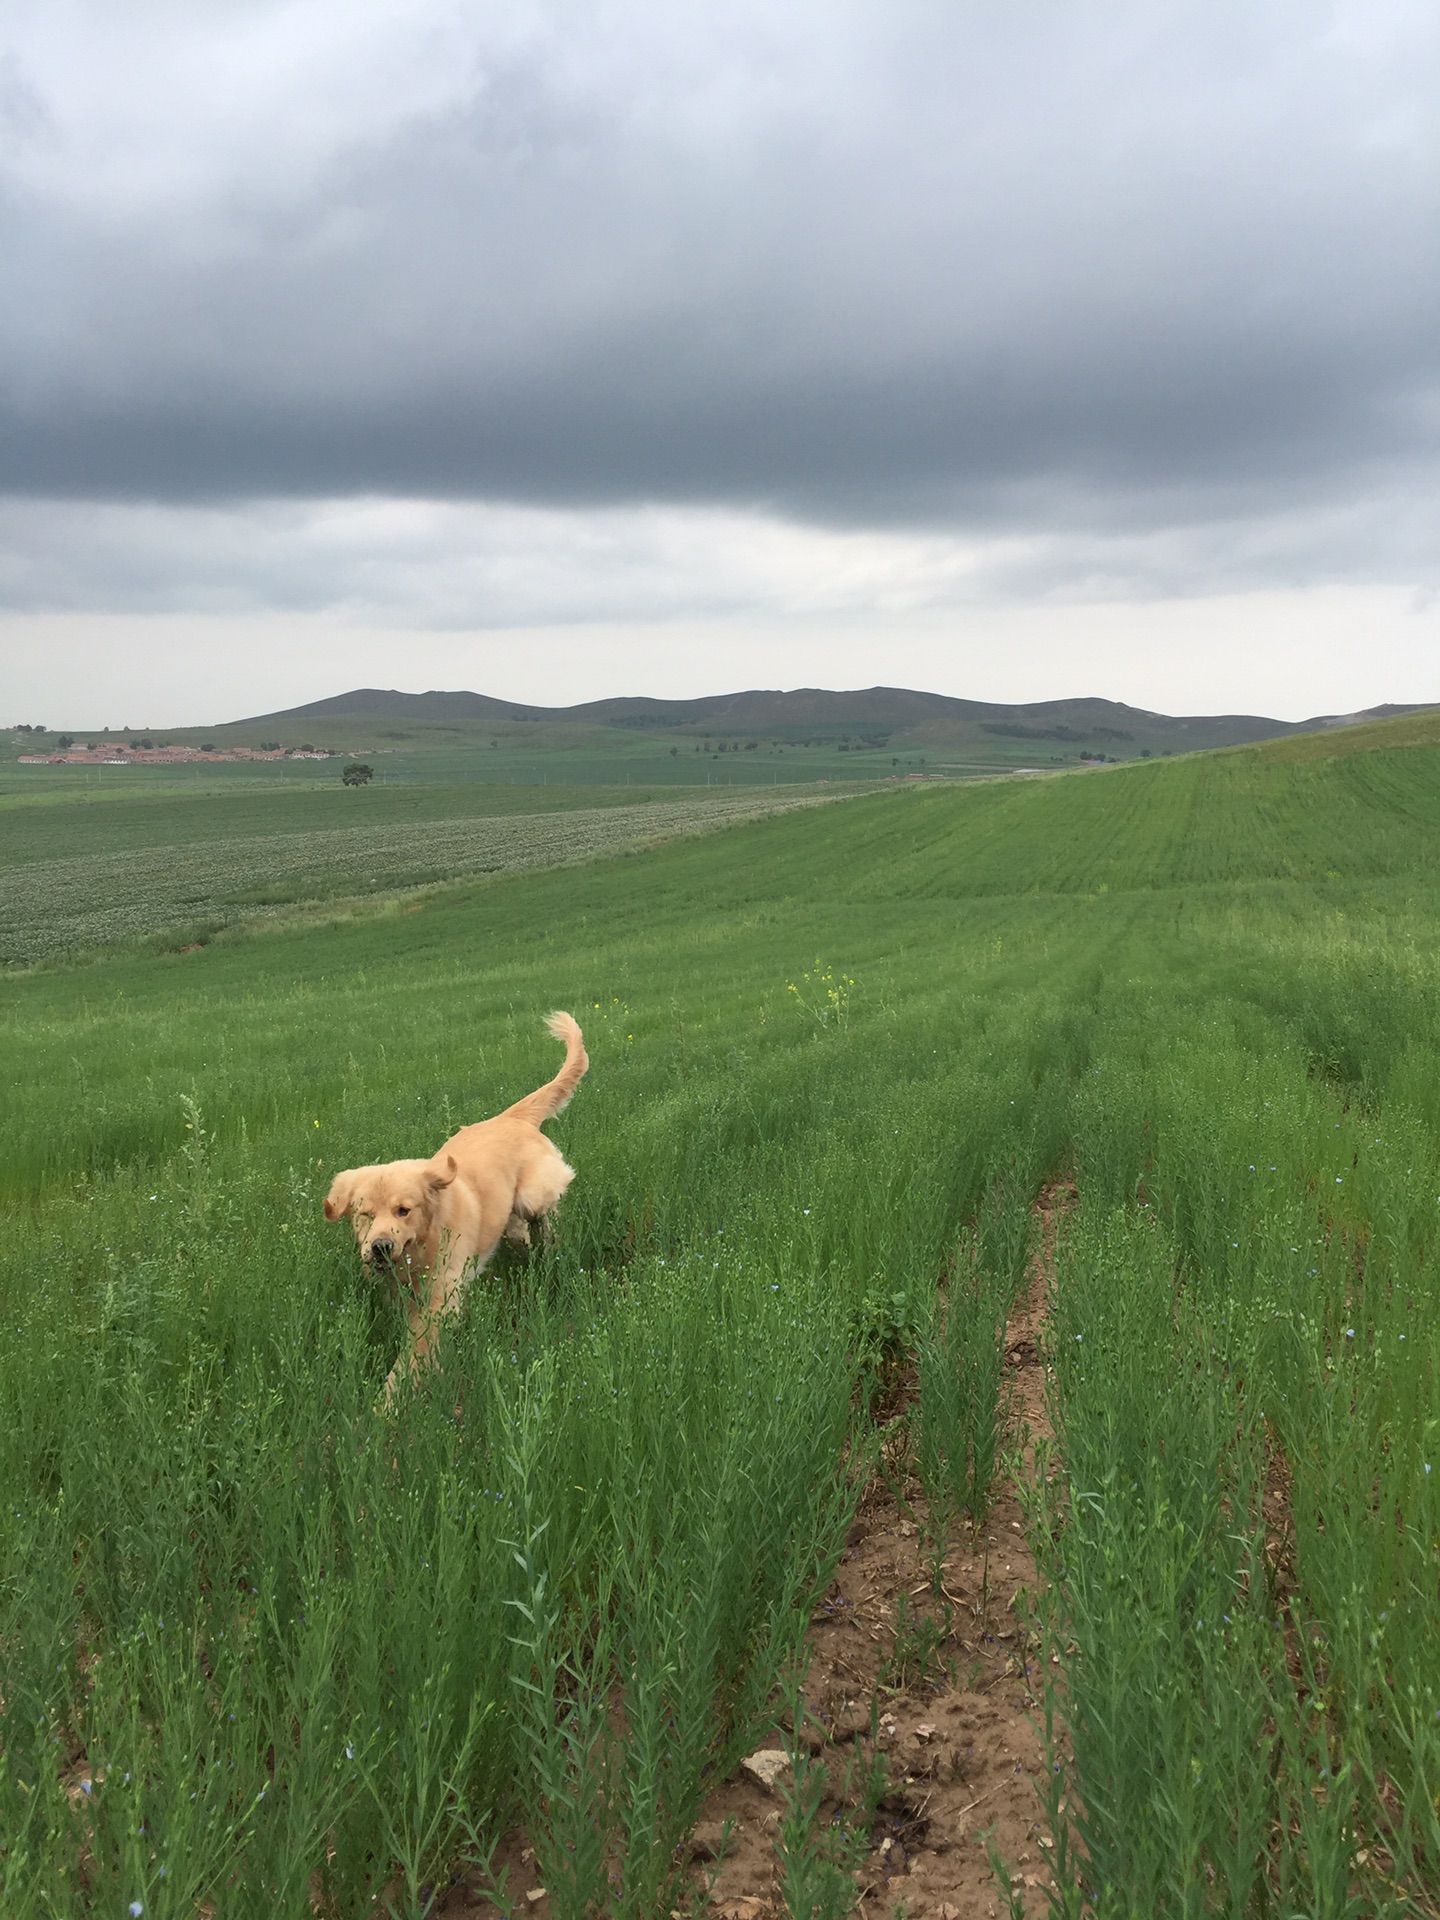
400,1212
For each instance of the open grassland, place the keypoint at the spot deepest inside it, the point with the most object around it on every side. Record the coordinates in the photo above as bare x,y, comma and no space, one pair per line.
263,1648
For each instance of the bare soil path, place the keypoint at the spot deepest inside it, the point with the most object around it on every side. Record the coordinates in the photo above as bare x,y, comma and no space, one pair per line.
957,1707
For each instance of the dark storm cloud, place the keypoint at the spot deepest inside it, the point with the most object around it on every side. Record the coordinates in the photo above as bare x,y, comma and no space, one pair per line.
1081,270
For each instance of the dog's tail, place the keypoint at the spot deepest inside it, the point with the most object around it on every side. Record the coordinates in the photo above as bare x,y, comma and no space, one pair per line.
539,1106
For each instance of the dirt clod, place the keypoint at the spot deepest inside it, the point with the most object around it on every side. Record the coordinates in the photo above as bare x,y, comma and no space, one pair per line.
767,1766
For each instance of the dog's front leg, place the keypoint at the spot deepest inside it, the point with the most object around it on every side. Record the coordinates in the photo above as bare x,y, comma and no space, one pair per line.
421,1317
442,1297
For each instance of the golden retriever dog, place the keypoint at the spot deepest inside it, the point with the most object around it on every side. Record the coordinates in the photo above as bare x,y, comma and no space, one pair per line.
429,1224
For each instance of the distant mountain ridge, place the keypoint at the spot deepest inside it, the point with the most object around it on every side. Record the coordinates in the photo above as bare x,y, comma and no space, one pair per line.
878,715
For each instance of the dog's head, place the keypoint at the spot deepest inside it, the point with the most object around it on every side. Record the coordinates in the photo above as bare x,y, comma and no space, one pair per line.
391,1208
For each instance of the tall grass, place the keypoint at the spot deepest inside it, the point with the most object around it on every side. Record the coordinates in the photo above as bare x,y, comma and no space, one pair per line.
1243,1599
960,1350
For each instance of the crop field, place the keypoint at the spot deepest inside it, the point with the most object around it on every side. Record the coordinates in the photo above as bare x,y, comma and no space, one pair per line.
265,1650
617,757
161,871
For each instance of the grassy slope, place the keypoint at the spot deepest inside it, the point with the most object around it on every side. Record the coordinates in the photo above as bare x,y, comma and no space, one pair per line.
818,1041
170,866
1408,730
1135,856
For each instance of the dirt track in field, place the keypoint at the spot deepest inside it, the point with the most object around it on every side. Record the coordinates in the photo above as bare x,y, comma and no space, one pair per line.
961,1738
944,1685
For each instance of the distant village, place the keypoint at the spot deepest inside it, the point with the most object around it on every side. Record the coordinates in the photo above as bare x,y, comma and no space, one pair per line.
145,752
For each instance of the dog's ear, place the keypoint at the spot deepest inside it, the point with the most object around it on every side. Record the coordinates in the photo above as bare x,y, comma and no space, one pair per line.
435,1180
342,1192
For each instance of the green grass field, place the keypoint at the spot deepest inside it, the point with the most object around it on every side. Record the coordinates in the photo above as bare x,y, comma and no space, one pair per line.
263,1648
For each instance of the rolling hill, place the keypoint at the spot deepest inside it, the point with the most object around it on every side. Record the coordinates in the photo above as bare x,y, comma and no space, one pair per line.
874,716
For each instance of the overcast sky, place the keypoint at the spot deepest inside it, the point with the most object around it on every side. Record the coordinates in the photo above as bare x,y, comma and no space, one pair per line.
1010,350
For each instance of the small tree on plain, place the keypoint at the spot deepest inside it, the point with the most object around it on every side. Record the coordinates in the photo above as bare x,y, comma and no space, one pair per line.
357,774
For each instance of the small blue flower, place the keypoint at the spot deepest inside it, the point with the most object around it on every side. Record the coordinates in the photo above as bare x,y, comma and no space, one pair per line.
137,1907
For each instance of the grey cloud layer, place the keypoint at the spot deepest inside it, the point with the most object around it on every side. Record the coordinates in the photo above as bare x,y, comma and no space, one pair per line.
974,266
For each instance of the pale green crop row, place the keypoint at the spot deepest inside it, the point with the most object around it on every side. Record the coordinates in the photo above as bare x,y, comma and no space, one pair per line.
64,906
